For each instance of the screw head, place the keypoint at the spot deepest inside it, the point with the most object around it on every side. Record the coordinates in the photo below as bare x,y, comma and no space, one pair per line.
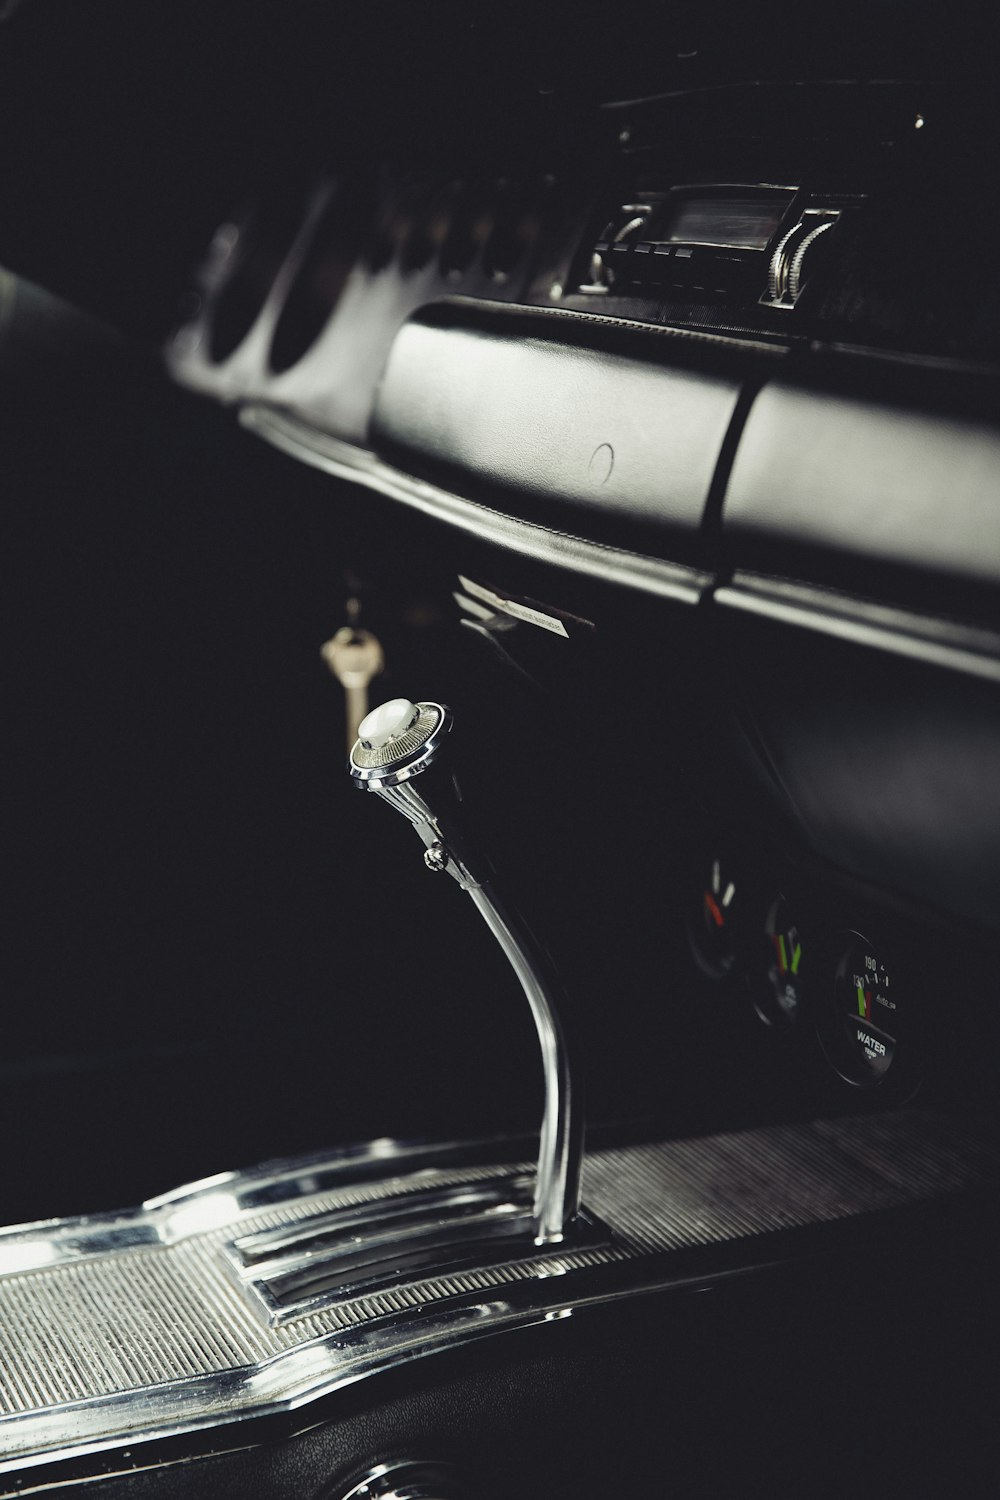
436,857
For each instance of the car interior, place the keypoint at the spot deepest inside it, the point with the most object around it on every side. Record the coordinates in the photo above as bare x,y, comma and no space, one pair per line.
579,430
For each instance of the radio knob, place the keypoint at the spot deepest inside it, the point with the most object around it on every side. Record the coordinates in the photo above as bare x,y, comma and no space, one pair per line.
613,249
795,257
805,258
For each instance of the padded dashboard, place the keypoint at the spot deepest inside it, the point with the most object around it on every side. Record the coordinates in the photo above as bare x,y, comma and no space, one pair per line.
543,342
520,410
842,484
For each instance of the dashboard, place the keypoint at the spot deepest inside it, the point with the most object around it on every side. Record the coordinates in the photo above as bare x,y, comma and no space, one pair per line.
634,390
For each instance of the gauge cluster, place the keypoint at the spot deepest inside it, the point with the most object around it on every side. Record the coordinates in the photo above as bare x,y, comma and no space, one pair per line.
848,980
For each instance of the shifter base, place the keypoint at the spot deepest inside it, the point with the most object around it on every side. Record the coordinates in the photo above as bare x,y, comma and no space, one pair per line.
414,1233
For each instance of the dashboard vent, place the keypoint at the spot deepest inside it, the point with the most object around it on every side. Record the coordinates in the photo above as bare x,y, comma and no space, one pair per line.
244,259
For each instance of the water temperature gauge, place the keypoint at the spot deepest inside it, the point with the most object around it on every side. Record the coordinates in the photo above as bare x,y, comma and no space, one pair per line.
862,1034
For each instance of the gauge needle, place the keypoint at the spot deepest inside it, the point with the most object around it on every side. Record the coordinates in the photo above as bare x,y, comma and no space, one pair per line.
779,946
713,907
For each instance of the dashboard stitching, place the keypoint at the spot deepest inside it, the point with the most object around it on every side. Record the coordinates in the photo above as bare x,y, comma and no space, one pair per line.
659,330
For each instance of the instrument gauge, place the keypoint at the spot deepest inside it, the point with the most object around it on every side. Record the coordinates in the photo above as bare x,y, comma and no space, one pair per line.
713,924
862,1034
778,996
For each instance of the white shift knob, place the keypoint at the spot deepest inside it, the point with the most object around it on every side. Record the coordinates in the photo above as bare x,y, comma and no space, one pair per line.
386,722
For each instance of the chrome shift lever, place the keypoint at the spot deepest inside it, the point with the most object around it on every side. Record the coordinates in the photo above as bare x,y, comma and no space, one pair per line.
398,742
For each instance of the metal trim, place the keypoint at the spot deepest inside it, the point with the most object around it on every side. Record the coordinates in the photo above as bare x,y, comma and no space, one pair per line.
926,638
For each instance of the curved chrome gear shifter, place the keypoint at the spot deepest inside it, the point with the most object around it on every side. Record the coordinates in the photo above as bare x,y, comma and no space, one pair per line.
398,742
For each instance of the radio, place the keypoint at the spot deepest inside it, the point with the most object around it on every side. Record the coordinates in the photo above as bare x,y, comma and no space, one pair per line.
710,241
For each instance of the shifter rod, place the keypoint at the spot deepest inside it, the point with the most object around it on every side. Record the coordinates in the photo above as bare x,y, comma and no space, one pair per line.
398,742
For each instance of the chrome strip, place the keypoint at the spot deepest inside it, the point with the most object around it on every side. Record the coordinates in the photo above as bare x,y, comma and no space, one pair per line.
506,1197
926,638
343,1254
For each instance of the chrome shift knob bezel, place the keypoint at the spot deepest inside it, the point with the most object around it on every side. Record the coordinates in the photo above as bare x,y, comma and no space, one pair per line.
401,759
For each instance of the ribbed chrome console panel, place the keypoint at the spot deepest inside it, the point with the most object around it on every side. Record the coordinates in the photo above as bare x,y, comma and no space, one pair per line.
121,1328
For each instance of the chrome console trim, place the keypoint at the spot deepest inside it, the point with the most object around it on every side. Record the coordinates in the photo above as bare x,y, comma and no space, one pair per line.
122,1329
